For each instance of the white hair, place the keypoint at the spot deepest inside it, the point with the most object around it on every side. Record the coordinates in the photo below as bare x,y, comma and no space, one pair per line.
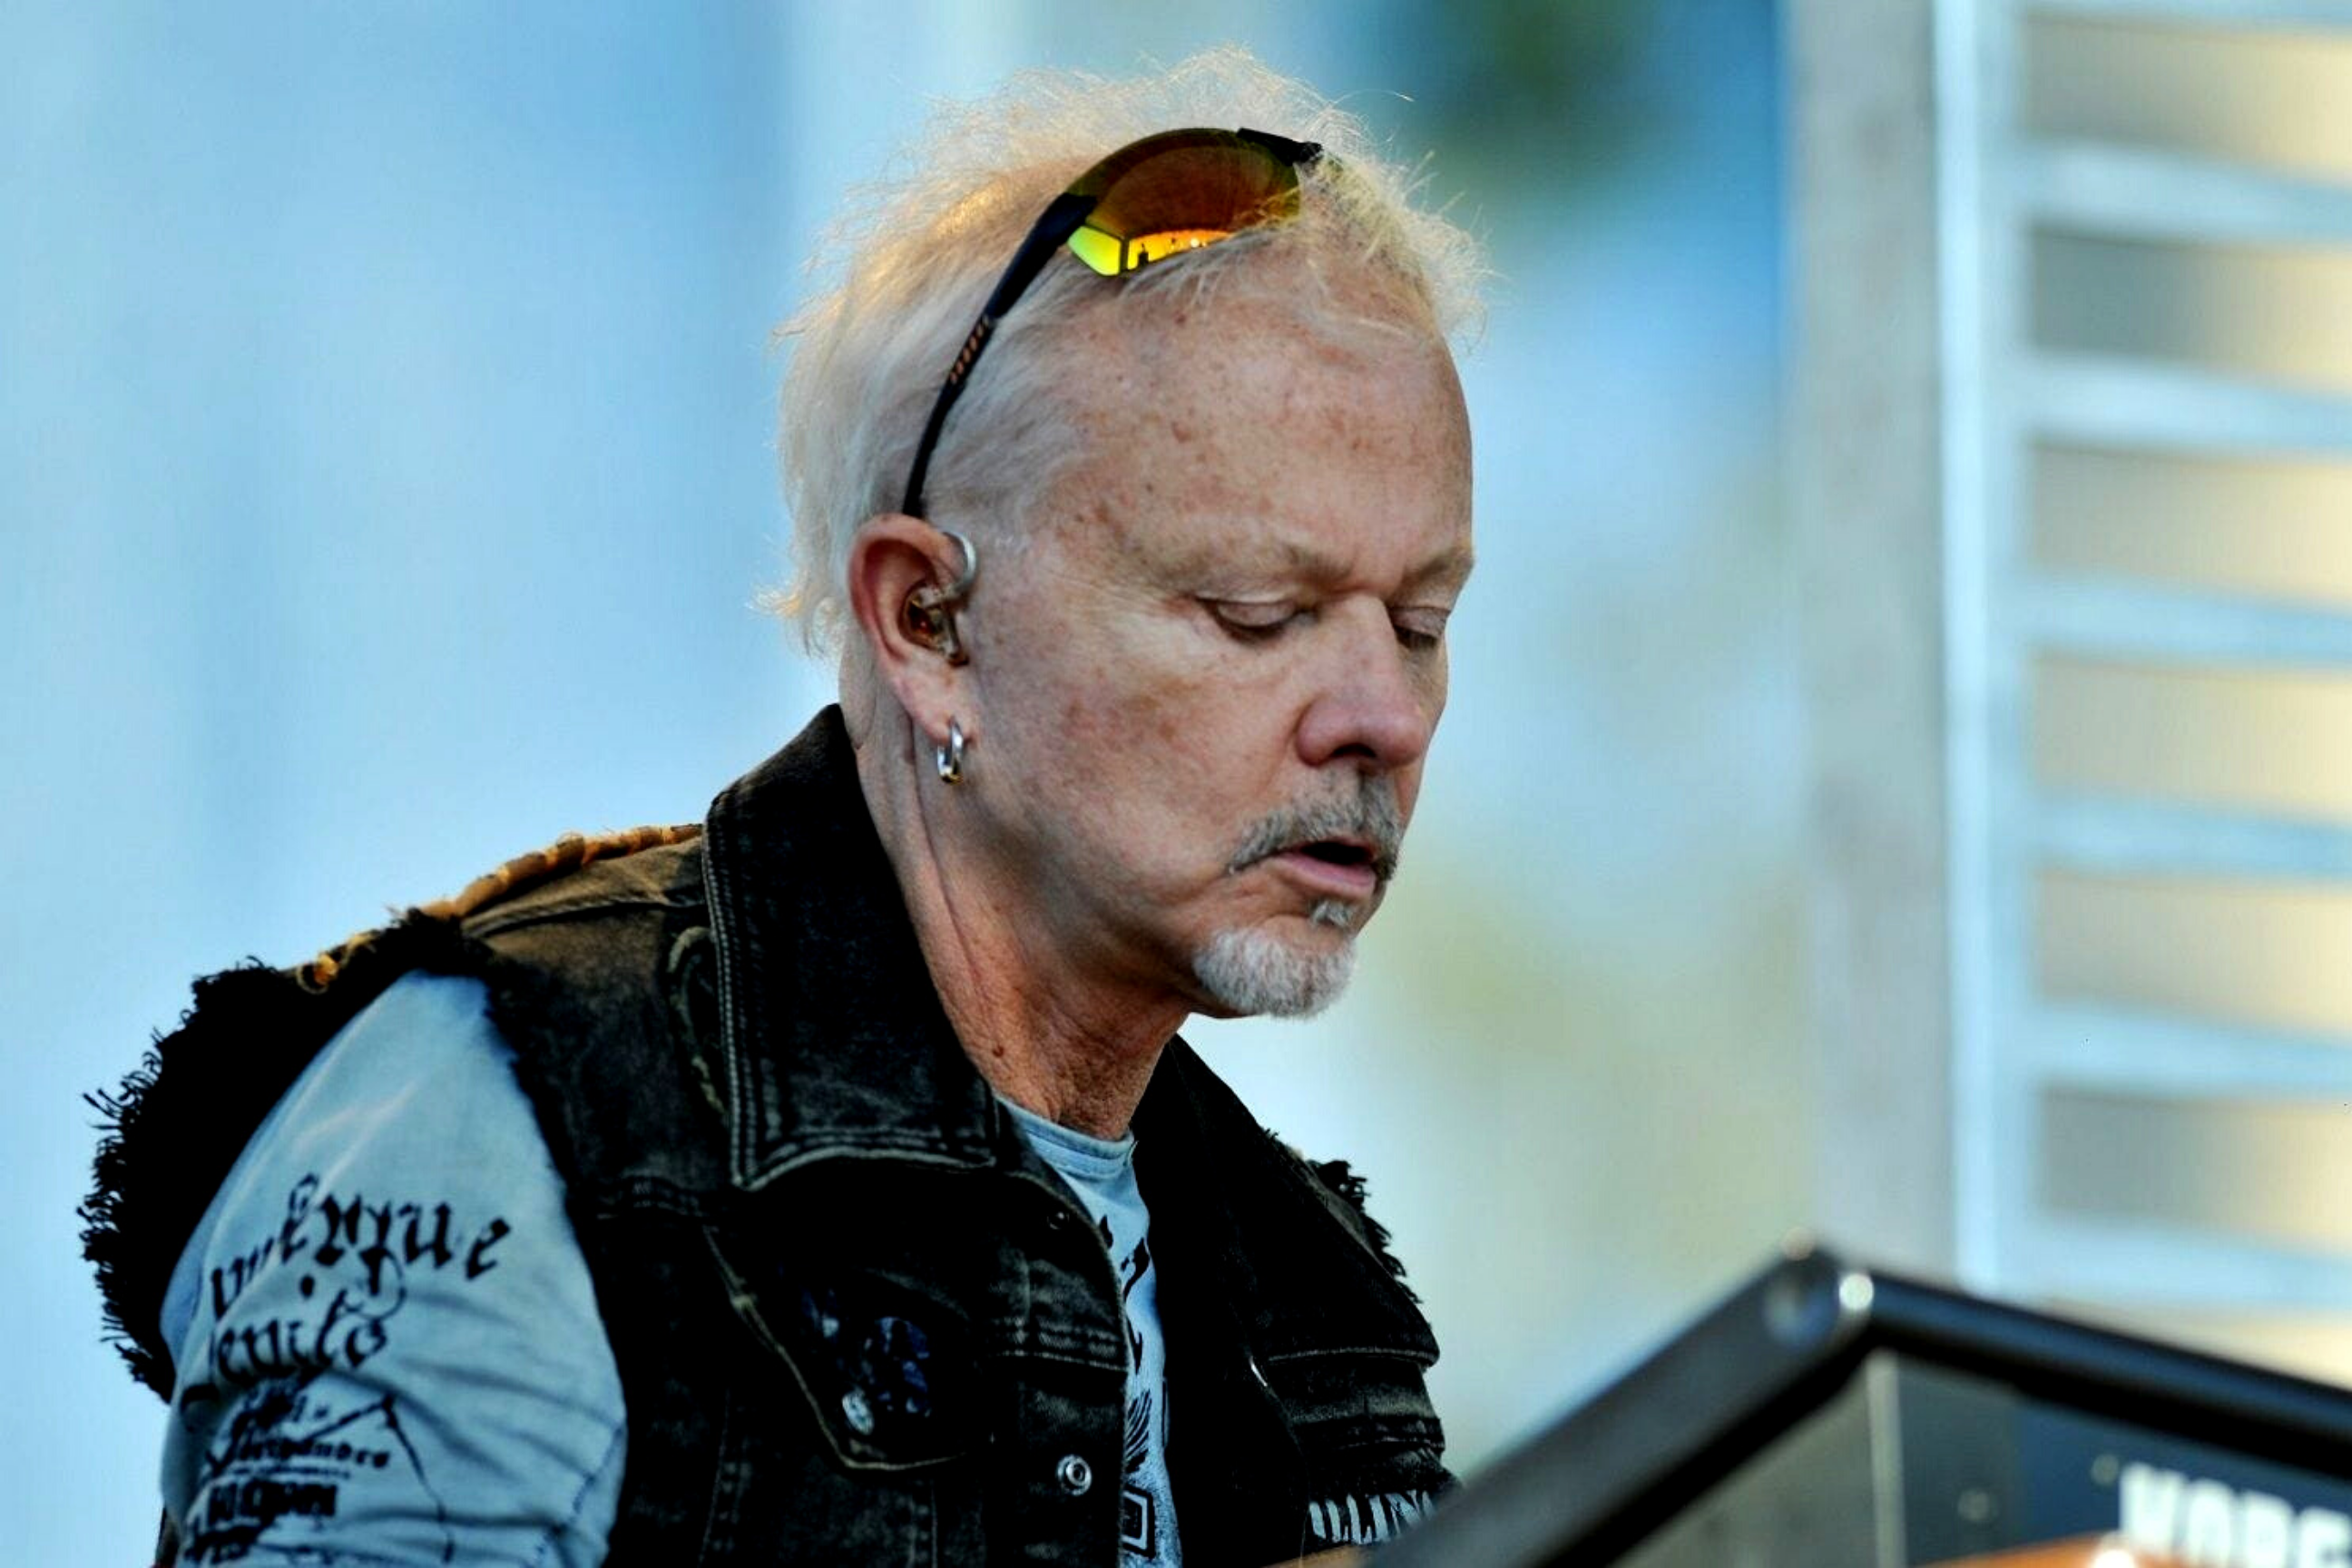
915,256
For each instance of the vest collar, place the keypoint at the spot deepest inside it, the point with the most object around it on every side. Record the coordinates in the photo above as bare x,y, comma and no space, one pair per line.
832,1034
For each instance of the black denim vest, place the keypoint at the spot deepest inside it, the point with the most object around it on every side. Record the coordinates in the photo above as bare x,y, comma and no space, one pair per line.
857,1319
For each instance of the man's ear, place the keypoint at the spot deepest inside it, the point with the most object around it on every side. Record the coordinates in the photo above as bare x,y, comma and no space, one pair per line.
902,572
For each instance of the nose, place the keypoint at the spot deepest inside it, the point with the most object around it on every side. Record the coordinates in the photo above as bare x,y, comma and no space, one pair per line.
1377,702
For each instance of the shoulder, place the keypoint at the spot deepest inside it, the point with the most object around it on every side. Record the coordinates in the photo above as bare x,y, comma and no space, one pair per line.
177,1122
1344,1195
593,947
579,876
384,1329
419,1083
1217,1117
602,973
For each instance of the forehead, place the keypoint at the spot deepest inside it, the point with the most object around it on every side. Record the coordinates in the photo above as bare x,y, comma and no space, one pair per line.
1310,429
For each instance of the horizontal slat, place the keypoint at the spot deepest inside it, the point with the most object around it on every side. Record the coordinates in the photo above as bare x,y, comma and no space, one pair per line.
2280,14
2138,1264
2112,402
2130,621
2140,838
2132,193
2180,1059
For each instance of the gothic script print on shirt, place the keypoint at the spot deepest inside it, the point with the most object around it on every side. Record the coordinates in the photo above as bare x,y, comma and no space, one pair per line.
292,1422
384,1339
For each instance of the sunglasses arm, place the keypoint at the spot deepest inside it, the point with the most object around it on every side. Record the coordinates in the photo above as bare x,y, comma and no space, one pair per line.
1058,222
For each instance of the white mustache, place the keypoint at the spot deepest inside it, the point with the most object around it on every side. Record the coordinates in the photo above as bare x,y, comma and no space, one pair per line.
1371,816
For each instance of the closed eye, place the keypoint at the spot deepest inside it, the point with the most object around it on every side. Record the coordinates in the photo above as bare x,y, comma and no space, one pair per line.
1420,630
1256,621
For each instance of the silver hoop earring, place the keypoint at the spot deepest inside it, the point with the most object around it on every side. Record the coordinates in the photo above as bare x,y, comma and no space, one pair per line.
949,757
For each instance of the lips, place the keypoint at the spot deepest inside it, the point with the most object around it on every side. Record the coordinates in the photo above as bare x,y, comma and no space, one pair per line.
1332,868
1343,847
1337,851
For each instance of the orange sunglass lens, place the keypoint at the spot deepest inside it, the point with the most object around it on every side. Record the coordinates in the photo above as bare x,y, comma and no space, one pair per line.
1180,199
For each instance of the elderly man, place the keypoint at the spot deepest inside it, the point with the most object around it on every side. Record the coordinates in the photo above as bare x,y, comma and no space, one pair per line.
828,1184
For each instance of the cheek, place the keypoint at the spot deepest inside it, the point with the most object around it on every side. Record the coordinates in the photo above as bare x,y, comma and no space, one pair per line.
1171,726
1437,682
1124,679
1113,694
1408,790
1129,713
1157,749
1102,732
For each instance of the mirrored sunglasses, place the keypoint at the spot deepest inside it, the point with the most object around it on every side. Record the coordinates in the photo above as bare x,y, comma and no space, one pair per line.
1159,197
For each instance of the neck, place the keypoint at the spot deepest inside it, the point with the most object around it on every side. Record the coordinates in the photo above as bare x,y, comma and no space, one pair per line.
1073,1047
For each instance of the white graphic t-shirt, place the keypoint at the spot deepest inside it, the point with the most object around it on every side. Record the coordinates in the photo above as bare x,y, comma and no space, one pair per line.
387,1345
1102,1173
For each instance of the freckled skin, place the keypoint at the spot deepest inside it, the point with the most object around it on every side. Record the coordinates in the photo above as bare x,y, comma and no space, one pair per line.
1127,729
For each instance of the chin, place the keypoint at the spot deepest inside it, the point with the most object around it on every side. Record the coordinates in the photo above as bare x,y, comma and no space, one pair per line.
1252,971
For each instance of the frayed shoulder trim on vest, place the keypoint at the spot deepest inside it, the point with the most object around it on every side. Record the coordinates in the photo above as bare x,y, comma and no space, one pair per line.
172,1131
1343,1182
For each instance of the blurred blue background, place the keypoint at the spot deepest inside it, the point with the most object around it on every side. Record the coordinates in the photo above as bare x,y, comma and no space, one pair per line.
386,478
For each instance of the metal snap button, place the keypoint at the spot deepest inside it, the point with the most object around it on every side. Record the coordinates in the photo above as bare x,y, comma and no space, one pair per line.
859,1411
1075,1474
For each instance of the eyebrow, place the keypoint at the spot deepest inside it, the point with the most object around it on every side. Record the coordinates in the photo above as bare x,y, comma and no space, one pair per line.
1449,569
